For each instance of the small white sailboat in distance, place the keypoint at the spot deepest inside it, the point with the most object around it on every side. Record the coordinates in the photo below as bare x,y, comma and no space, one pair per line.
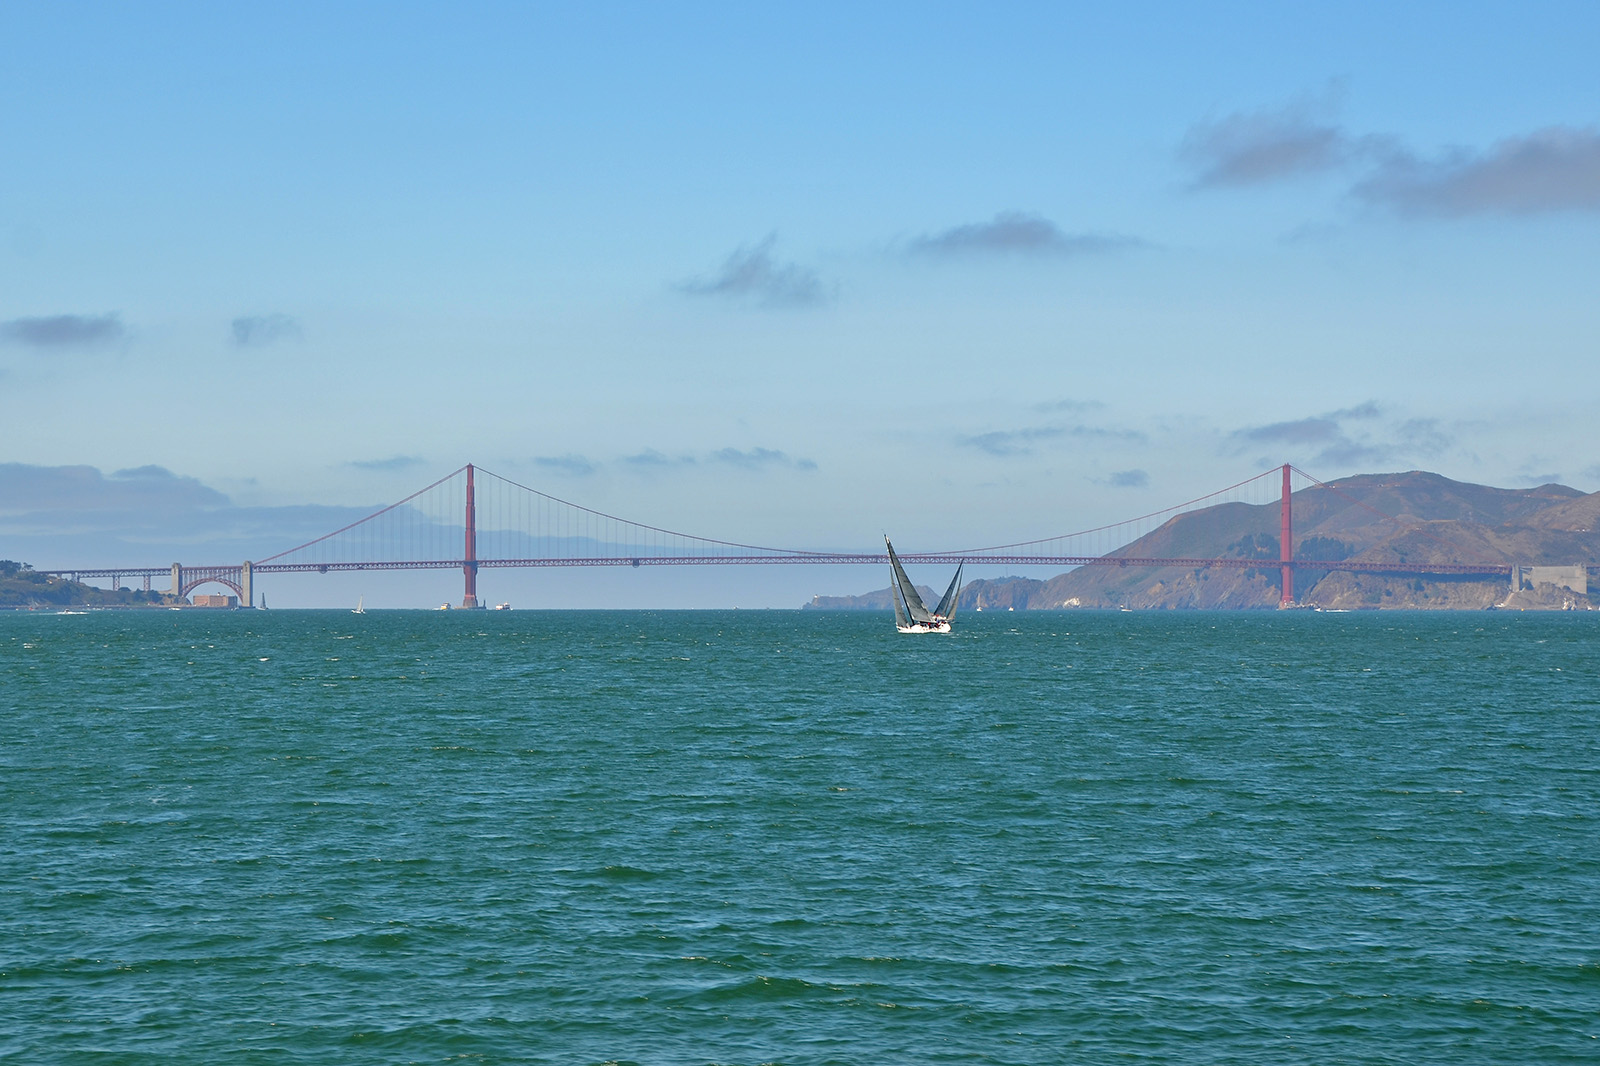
360,609
911,615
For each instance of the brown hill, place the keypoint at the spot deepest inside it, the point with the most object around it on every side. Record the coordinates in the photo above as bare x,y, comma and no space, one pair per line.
1414,517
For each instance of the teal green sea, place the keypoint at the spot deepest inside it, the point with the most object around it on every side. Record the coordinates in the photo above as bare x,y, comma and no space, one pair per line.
799,838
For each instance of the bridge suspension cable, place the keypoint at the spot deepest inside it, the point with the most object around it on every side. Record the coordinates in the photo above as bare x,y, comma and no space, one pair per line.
1118,534
497,522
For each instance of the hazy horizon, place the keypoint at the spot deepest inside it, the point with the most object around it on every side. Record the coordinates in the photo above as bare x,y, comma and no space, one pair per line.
785,277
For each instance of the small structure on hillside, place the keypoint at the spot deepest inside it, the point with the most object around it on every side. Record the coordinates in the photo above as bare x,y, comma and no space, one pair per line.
1573,578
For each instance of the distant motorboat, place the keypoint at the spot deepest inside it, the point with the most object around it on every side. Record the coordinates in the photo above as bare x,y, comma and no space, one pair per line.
502,606
911,615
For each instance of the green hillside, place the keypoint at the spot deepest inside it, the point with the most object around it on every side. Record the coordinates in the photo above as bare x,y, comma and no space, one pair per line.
22,587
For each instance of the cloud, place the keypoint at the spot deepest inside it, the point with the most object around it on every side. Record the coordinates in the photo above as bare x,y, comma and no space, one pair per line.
753,459
27,489
1010,442
61,516
1252,148
1014,232
1311,233
1068,406
1424,436
652,458
1127,479
398,462
1370,409
1556,168
255,331
757,458
1552,169
1303,431
569,464
63,331
751,273
1329,440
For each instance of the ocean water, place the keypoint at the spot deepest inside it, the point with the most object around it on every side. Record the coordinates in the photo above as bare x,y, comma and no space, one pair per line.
799,838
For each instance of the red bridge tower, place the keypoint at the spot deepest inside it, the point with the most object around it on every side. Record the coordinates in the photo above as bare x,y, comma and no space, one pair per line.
1285,539
469,563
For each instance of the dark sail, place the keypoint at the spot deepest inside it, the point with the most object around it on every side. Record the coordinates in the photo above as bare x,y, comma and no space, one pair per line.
947,605
900,618
908,592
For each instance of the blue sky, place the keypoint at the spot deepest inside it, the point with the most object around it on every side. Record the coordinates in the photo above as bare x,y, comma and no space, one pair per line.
971,273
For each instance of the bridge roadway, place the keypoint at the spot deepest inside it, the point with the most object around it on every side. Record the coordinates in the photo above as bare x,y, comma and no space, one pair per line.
229,574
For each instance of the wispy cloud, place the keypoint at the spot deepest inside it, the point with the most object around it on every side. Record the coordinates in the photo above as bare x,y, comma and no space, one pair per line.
569,464
652,459
1553,169
26,488
1068,406
1126,479
77,515
1012,442
1367,410
1332,440
1253,147
1529,477
1017,233
754,274
63,331
255,331
745,459
757,458
397,462
1301,431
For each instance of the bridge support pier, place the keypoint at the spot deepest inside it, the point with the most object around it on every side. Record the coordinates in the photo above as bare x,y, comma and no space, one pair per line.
246,596
177,579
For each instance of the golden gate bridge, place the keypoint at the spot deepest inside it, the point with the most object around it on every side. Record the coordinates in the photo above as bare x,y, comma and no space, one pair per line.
473,519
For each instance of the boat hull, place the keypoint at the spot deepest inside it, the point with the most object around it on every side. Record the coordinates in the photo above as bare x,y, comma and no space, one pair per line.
917,627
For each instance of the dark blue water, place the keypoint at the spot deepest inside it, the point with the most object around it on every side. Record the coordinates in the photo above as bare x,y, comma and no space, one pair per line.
767,837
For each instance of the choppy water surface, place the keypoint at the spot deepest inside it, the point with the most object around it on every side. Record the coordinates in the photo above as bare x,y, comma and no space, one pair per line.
764,837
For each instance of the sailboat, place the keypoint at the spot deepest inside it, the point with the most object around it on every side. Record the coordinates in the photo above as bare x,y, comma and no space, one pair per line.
360,609
910,614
